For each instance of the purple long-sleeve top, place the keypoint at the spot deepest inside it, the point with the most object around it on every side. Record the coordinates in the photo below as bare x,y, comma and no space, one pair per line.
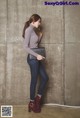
31,40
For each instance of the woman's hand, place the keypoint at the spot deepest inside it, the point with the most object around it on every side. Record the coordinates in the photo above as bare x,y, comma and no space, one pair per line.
41,34
39,57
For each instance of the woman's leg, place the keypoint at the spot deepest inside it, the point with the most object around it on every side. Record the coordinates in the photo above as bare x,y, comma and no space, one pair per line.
44,78
34,67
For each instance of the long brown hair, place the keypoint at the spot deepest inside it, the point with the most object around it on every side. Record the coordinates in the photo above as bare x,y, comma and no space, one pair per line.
33,18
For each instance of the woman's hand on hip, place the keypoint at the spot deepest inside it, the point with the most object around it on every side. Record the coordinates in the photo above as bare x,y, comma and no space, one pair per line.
40,57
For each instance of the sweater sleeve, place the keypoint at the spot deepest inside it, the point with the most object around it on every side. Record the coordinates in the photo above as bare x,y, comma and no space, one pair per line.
26,42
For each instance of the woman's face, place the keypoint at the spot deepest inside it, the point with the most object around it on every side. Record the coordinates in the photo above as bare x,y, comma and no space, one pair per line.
37,23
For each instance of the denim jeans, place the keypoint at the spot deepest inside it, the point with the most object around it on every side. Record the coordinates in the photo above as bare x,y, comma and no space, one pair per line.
37,68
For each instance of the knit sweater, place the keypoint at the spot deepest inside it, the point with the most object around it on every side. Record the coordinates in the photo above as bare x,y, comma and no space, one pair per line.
31,40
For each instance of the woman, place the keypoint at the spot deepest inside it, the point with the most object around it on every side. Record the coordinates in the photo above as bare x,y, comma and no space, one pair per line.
32,38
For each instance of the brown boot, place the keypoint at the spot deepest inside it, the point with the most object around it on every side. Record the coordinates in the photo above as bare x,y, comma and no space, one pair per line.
38,104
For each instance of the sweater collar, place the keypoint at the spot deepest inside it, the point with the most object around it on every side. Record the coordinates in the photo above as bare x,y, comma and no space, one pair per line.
31,26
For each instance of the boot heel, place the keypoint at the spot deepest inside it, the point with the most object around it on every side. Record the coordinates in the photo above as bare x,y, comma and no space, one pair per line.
29,110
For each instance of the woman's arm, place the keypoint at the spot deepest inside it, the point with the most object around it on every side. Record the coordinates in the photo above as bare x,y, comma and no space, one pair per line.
40,36
26,42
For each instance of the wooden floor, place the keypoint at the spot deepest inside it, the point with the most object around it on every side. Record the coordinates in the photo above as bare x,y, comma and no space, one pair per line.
21,111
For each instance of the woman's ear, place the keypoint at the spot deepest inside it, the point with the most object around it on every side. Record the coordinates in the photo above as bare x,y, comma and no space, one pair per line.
33,22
